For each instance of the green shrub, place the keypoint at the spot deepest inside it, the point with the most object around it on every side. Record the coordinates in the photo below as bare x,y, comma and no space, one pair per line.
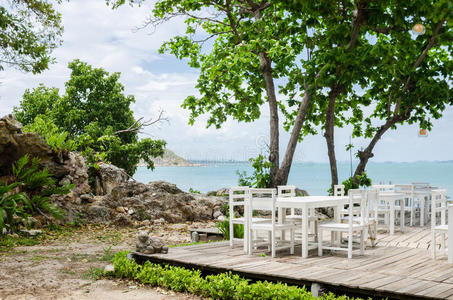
261,177
29,193
224,228
221,286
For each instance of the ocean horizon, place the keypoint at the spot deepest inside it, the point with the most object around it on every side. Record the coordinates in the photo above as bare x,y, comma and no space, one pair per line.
314,177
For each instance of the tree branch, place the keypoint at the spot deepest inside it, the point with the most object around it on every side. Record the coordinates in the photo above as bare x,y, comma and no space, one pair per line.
138,124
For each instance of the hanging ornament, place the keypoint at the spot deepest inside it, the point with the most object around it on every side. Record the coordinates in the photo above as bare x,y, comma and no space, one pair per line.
423,133
418,29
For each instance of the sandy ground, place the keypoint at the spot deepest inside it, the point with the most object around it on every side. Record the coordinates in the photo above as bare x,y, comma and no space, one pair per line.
64,265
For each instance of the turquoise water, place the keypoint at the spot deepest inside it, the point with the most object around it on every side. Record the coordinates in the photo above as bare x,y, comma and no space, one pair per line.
313,177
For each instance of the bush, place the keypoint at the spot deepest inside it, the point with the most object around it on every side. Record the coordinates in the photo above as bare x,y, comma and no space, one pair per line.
29,193
221,286
224,228
261,177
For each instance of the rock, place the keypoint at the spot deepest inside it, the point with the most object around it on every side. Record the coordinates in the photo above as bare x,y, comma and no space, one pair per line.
195,237
222,192
120,209
216,214
108,177
122,220
32,232
300,192
148,245
109,269
221,218
87,198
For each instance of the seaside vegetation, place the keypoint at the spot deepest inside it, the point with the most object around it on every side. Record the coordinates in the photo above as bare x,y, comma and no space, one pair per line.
353,63
226,286
27,192
93,116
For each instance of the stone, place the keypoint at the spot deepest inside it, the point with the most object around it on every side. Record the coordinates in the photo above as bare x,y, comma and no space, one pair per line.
108,177
195,237
32,232
122,220
120,209
109,269
149,245
216,214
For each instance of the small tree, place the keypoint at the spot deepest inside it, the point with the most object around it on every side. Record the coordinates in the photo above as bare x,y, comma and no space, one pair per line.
93,113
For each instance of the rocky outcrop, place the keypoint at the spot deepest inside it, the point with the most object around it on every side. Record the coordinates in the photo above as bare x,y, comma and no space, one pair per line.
14,144
108,177
134,202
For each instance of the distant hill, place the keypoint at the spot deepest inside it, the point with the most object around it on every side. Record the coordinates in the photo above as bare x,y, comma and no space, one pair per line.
170,159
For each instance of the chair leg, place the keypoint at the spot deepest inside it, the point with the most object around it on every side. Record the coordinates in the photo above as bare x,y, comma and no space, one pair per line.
442,242
291,241
350,237
315,224
319,242
231,234
362,241
273,243
250,242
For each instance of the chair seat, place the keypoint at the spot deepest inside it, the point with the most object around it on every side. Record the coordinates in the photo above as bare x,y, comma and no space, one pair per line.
267,225
242,220
441,228
341,226
296,218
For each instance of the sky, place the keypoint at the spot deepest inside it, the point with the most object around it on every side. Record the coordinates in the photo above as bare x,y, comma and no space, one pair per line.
108,38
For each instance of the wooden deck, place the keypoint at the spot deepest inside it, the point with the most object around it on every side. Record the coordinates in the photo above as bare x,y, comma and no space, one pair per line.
399,267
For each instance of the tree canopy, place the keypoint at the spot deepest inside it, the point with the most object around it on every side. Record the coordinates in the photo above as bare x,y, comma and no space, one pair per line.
29,31
95,113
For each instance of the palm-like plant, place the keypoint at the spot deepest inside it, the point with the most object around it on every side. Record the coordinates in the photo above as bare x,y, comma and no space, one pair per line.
11,204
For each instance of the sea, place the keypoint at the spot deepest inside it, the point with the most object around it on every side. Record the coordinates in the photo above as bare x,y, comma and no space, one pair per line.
310,176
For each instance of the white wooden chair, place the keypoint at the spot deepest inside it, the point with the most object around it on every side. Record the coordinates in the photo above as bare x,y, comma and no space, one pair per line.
351,227
265,200
421,199
407,189
380,207
338,190
239,197
438,205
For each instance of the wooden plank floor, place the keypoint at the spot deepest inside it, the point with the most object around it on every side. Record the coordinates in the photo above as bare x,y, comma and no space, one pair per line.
399,267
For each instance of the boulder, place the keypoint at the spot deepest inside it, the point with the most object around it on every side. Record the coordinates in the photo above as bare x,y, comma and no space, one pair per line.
149,245
108,177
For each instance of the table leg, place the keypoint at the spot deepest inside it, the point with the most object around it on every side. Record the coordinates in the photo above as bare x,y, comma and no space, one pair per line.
422,211
392,217
281,216
336,216
305,232
403,214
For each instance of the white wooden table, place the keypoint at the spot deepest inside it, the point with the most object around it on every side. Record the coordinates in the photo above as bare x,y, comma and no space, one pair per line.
391,198
310,202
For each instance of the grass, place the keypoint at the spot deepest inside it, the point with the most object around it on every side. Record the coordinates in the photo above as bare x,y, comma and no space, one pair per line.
8,242
94,273
108,255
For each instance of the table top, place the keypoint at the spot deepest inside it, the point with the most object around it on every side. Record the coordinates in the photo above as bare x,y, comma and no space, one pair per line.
311,201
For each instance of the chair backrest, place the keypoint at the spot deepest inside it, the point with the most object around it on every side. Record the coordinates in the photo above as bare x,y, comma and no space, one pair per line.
421,185
238,196
262,199
373,202
438,205
338,190
384,187
286,191
357,202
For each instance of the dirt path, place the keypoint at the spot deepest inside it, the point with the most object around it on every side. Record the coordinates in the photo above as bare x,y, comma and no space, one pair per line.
66,265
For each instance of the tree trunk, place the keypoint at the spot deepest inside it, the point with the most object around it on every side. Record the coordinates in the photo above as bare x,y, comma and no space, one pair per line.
366,154
329,133
266,69
283,172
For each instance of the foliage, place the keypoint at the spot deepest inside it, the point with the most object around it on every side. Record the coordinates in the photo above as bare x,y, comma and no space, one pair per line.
58,140
8,242
221,286
224,228
29,31
362,181
93,116
261,177
11,205
193,191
